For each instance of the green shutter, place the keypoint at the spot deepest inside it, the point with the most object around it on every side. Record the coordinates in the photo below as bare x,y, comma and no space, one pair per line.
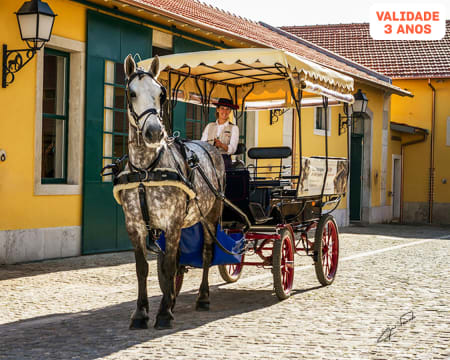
181,45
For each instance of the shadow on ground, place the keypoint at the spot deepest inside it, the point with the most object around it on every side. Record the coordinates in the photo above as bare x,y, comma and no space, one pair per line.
401,231
95,334
68,264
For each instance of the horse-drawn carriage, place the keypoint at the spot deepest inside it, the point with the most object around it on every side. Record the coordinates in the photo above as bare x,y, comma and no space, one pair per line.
270,210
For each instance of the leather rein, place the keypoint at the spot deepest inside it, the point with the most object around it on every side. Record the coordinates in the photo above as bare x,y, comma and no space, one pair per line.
150,111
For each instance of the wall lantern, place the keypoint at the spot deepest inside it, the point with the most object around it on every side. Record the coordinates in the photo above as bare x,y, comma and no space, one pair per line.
359,108
35,20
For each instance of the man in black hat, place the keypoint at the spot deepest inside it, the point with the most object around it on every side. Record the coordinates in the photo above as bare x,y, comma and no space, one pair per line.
223,134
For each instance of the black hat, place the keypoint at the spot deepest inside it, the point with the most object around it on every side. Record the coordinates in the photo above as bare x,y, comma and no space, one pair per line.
227,103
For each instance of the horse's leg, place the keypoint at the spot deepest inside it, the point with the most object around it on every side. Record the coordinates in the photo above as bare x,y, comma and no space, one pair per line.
164,318
139,319
202,303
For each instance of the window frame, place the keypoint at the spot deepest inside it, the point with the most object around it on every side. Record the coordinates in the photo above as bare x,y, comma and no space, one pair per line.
76,113
124,135
321,132
197,110
65,117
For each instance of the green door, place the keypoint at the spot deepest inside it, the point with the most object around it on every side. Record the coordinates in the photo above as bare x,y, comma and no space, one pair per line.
109,41
356,162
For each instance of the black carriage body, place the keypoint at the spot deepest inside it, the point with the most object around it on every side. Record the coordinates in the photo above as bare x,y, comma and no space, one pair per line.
268,197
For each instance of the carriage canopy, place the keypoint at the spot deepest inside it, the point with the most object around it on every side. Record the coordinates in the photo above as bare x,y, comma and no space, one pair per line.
250,75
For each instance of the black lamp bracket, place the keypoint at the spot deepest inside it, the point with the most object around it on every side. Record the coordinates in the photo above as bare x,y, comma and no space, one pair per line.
13,61
275,114
345,121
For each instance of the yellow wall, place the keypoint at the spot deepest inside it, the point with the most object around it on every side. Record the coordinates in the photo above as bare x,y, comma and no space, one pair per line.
313,145
416,111
269,135
20,208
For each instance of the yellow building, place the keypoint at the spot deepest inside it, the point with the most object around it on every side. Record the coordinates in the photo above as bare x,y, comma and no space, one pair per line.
419,133
64,117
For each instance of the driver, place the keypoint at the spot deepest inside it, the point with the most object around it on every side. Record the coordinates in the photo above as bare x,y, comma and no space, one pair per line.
223,134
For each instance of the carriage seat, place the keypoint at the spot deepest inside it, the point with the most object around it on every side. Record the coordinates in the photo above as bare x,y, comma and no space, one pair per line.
273,152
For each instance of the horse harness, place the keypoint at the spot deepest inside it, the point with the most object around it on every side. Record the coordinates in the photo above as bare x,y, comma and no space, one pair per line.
153,176
150,111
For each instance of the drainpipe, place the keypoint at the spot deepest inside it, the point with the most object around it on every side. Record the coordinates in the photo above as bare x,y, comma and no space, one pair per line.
424,137
431,179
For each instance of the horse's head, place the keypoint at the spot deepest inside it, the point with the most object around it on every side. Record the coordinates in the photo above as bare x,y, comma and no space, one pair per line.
145,97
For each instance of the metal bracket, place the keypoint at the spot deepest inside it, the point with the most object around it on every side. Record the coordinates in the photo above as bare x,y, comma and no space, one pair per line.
13,62
275,114
344,124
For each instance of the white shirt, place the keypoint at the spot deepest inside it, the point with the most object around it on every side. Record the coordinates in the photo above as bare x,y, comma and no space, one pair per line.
232,146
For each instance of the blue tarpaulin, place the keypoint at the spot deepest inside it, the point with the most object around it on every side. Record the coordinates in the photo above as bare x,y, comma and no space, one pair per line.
191,246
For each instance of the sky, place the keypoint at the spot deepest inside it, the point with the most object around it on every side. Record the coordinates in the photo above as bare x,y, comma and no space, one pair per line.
307,12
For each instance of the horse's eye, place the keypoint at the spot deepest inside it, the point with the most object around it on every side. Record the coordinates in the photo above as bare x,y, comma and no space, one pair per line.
132,94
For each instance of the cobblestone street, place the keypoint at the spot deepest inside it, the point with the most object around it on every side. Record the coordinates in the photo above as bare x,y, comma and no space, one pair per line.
390,300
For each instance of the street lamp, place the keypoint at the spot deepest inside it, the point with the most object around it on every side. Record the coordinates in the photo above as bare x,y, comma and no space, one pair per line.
359,108
35,19
360,105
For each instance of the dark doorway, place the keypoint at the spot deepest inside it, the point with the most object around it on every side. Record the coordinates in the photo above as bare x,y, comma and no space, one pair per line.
356,162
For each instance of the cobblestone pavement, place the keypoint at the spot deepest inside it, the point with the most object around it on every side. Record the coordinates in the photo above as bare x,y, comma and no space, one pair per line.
391,279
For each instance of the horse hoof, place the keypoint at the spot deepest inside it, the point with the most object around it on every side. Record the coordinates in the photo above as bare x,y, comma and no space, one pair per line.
139,324
163,324
202,306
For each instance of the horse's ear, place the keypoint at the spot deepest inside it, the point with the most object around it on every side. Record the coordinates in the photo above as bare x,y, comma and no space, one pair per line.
154,67
129,65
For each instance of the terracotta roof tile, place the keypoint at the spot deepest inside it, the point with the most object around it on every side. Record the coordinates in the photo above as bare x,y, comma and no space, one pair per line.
396,59
211,17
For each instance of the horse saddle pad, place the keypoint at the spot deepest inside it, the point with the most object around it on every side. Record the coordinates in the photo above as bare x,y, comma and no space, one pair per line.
191,246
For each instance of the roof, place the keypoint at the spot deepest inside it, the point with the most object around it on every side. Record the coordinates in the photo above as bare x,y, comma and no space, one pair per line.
255,74
211,18
394,58
408,129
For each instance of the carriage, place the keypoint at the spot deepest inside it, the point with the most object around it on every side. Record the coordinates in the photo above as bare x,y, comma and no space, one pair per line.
272,211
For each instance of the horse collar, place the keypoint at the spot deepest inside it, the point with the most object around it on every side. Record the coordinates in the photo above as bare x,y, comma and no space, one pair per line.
151,167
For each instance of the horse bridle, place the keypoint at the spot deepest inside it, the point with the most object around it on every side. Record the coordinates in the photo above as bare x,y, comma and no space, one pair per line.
147,112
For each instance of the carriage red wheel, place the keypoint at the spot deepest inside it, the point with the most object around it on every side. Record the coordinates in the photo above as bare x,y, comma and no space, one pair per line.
179,276
232,272
283,264
326,250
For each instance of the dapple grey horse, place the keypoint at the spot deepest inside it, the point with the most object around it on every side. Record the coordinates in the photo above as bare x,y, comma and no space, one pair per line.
169,207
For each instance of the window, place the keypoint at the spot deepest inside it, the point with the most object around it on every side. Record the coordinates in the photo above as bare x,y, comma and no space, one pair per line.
162,43
193,121
115,125
59,117
55,117
319,121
